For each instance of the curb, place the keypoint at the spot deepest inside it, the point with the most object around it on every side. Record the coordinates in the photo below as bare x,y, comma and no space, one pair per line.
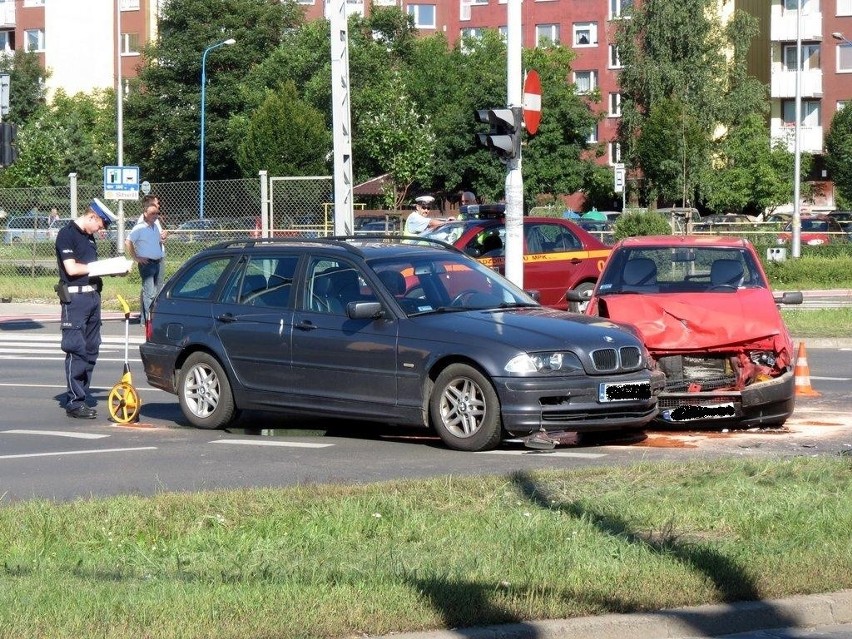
714,620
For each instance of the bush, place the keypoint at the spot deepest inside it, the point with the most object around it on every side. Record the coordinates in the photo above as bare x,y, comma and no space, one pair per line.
633,223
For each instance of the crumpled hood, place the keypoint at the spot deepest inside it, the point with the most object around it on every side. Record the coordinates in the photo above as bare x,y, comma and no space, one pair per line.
688,322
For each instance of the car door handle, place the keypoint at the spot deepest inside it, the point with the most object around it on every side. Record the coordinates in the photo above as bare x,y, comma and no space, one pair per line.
227,318
306,325
575,260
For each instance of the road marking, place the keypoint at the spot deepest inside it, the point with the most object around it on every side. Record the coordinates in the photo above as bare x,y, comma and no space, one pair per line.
78,452
258,442
542,452
92,388
832,379
54,433
42,358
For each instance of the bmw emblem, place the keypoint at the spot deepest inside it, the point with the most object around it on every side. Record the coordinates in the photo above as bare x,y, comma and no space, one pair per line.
607,338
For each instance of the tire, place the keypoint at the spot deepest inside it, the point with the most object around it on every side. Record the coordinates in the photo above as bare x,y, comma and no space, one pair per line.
585,289
205,393
464,409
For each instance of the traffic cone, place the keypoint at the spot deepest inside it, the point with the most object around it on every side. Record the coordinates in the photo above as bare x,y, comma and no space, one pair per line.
802,373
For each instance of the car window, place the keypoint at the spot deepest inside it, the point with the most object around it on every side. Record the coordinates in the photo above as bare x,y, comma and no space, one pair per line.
262,281
199,281
332,284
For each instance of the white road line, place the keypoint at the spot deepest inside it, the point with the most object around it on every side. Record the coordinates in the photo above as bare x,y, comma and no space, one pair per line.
79,452
259,442
92,388
542,452
54,433
832,379
57,339
42,358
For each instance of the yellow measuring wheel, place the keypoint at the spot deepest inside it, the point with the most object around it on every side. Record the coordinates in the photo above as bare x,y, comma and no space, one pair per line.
124,402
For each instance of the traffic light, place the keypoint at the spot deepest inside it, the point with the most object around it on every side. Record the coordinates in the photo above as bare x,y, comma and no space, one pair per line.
8,144
504,138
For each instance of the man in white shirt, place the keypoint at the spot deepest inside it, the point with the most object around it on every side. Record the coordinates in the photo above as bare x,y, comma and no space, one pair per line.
144,246
420,220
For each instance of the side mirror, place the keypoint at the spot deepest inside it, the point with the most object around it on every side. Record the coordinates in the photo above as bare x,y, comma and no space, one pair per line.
574,296
790,297
365,310
536,295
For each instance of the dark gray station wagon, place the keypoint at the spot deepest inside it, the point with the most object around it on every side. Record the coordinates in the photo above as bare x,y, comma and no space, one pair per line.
393,330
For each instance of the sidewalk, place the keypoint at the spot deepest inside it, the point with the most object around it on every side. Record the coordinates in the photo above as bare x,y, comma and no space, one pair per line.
812,616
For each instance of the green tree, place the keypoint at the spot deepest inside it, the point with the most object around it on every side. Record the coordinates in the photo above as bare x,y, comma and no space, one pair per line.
73,134
635,223
162,118
285,136
838,157
26,85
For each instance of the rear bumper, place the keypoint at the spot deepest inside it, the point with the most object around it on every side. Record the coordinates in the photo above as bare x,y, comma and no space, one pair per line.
159,360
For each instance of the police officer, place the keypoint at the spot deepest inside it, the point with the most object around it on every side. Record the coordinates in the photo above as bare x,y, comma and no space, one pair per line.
80,298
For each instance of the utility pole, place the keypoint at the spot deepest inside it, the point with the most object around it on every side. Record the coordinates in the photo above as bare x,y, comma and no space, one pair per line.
514,176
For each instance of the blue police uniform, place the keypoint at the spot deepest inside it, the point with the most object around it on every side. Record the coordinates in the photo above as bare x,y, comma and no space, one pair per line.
81,314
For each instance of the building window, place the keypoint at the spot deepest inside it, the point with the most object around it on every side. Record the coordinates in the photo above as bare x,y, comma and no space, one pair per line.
614,58
478,1
617,8
585,81
504,33
810,113
844,7
7,41
810,57
844,58
592,138
473,32
614,105
546,35
423,14
614,153
841,104
129,5
34,40
585,34
129,44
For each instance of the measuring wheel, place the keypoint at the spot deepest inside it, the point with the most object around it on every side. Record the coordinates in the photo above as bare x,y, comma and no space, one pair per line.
124,403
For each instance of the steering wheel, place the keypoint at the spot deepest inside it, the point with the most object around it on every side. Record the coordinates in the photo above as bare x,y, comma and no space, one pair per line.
459,299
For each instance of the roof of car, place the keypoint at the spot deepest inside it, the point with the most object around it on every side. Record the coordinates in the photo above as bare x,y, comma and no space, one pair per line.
684,240
363,245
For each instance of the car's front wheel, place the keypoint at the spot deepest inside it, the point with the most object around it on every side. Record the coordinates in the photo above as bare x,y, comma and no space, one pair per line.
205,393
464,409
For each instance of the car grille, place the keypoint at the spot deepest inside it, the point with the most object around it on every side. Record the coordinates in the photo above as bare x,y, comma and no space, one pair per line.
706,373
611,359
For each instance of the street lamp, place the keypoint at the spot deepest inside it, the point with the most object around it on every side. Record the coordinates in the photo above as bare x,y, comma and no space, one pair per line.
229,41
839,36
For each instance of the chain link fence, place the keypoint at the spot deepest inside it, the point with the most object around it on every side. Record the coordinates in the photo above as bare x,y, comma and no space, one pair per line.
233,209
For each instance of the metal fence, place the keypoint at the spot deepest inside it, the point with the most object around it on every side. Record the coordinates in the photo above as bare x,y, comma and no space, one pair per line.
232,209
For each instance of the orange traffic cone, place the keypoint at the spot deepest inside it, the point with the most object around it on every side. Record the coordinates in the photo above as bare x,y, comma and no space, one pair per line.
802,373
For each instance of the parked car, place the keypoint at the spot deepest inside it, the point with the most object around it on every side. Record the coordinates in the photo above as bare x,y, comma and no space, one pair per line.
26,229
392,330
815,230
844,218
726,223
707,315
198,230
390,225
558,255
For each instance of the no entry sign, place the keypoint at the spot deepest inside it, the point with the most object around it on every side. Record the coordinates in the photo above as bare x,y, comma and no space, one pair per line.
532,102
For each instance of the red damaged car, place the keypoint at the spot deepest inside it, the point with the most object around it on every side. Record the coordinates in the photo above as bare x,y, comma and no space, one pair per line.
707,315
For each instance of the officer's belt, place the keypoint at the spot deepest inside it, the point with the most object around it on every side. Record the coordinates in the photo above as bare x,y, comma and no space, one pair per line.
87,288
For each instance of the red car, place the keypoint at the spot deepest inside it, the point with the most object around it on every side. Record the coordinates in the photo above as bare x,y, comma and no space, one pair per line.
559,256
815,230
704,309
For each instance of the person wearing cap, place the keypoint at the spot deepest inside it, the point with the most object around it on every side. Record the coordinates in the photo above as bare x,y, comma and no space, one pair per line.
80,298
145,247
420,220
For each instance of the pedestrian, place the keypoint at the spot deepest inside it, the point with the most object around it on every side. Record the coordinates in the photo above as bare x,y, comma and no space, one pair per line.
420,220
467,198
144,246
80,299
155,199
53,217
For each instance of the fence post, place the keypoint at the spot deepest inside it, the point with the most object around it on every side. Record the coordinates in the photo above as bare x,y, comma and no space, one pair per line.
72,187
264,203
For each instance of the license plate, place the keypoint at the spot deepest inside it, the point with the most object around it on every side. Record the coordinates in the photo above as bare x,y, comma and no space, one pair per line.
624,391
696,412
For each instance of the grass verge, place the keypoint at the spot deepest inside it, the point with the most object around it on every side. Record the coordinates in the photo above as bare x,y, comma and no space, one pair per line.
335,561
826,322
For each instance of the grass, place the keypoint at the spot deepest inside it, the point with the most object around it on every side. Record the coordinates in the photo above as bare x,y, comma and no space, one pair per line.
333,561
828,322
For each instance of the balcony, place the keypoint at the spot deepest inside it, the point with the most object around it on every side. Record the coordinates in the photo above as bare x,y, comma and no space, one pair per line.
783,84
811,136
783,27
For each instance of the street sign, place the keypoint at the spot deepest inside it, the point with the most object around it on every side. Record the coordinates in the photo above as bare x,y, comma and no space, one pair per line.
532,102
121,182
620,176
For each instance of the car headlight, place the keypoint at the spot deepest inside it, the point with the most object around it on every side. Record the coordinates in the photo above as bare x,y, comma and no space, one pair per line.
551,362
763,358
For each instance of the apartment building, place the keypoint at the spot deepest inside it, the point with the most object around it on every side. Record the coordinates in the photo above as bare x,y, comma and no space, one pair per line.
76,39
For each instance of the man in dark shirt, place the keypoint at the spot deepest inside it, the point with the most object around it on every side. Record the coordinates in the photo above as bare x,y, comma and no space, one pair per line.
80,298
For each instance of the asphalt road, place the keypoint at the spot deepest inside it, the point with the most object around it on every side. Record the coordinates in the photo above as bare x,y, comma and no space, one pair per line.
45,454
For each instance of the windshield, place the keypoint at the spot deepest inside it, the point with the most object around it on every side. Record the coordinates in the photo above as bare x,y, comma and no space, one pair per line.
451,282
680,270
451,231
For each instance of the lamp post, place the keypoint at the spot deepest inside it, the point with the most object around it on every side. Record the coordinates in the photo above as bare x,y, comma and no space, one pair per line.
839,36
229,41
